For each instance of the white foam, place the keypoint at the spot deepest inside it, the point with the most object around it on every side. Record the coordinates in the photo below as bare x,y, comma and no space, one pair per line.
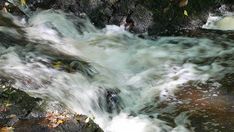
125,123
225,22
141,69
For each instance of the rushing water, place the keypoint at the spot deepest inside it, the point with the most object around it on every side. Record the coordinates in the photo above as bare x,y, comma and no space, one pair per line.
222,22
116,77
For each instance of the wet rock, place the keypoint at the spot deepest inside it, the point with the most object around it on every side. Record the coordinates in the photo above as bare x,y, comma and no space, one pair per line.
21,112
87,124
210,109
72,65
14,104
56,59
227,84
44,4
161,17
113,101
9,7
110,101
141,21
78,123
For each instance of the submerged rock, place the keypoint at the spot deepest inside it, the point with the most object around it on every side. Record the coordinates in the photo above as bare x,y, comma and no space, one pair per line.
210,108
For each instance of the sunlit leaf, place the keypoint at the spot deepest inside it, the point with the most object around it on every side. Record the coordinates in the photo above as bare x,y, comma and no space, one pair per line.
60,121
23,2
57,64
8,104
185,13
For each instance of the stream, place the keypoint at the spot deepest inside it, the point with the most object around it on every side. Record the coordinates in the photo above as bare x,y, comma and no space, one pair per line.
128,84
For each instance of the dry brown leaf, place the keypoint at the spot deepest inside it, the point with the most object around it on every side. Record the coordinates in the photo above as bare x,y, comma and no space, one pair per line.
7,129
183,3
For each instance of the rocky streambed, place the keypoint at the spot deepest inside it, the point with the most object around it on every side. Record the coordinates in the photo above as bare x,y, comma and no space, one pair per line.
61,73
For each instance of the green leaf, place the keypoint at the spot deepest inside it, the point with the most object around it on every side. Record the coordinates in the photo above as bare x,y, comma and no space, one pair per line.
185,13
57,65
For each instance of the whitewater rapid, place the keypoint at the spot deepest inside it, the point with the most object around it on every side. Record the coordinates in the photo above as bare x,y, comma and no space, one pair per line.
128,73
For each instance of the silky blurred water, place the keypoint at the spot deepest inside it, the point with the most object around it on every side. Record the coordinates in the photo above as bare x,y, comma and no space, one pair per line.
127,73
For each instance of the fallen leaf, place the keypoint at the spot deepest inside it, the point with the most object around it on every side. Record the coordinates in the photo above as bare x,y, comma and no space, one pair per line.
60,121
7,129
